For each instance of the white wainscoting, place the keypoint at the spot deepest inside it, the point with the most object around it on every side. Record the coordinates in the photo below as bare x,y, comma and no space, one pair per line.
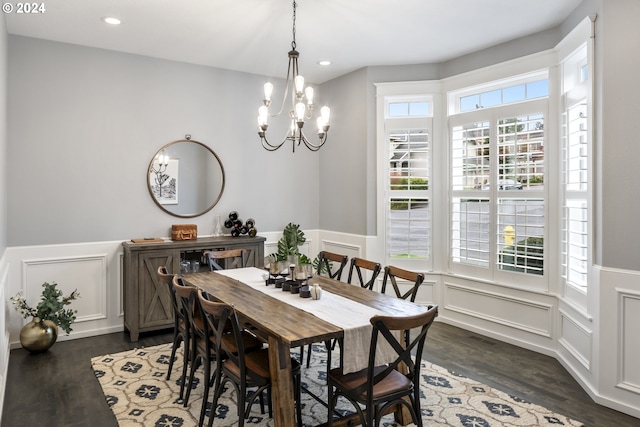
521,318
4,331
88,273
575,339
615,306
629,344
94,269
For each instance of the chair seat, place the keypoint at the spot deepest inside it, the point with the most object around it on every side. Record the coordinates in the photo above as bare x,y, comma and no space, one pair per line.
250,342
258,362
392,384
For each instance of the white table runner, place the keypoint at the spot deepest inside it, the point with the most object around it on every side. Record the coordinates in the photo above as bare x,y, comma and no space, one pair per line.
347,314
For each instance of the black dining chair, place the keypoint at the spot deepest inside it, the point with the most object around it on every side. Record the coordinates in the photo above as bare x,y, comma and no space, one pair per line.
224,260
377,388
204,348
326,266
247,371
360,264
412,279
181,330
186,307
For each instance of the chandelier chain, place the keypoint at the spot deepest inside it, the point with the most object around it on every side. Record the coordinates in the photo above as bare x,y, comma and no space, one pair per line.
293,42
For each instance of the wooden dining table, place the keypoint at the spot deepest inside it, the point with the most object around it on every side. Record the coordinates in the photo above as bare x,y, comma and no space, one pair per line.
284,326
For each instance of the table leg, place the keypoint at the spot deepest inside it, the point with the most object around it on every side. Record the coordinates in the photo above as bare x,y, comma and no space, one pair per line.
281,384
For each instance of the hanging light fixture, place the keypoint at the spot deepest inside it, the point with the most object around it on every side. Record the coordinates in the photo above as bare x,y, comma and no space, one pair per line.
301,107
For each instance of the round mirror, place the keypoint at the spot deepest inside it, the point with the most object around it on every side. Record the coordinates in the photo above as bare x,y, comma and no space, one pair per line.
185,178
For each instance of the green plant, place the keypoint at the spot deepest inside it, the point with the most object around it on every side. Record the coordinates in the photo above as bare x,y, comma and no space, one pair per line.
50,307
290,242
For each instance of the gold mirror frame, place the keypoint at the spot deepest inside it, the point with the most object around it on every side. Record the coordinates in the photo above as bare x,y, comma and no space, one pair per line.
193,179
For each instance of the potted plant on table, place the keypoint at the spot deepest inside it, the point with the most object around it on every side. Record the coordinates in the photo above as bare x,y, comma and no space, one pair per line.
289,245
49,315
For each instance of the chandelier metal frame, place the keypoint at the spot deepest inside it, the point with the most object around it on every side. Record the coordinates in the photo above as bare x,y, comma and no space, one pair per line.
299,110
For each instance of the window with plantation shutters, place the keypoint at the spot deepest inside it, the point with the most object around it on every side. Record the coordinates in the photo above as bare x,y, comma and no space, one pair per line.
407,181
498,196
575,161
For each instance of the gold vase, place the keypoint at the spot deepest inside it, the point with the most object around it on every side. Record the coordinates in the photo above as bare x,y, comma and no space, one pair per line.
38,335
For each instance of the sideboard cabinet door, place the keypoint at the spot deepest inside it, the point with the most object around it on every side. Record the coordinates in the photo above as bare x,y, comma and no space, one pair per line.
154,300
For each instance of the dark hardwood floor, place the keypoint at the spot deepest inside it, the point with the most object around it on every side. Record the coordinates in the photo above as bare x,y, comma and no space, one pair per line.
58,388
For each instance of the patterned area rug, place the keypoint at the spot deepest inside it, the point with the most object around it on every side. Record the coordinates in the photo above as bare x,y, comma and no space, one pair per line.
135,387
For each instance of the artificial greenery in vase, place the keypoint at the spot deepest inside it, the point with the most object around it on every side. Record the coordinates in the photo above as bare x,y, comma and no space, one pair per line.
292,238
51,306
289,244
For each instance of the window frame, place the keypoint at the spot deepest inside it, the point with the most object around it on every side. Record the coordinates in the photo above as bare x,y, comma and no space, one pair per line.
493,195
409,92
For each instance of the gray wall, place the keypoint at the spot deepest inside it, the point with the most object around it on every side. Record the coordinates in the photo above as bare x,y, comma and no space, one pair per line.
618,95
84,124
3,137
344,160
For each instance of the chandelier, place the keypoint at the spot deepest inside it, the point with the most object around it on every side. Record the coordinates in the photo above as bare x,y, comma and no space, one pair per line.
301,107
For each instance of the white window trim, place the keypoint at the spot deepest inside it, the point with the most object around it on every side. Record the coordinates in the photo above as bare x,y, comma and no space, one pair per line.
410,91
492,273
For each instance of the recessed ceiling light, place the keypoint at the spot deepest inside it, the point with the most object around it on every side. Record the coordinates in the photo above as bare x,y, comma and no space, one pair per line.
111,20
324,62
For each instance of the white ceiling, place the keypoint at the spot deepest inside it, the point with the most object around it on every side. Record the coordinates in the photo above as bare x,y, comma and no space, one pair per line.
255,35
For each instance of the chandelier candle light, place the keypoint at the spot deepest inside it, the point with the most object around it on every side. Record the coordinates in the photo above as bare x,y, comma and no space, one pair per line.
162,162
299,109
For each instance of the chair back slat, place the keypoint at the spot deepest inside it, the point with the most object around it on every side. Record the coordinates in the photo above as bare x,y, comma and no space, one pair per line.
359,264
215,316
325,260
185,300
391,274
167,278
224,260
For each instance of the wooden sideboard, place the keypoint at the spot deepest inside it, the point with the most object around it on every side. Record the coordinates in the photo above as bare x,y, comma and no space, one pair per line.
147,303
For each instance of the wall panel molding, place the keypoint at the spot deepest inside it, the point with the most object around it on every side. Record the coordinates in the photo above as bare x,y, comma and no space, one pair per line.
348,249
628,343
75,272
575,339
533,317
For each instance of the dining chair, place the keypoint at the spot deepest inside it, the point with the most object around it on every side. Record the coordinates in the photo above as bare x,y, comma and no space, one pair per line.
204,349
379,387
181,333
184,300
391,274
223,260
242,369
325,260
359,264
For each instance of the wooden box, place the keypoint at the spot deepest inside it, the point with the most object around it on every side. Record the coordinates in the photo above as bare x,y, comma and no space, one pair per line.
184,232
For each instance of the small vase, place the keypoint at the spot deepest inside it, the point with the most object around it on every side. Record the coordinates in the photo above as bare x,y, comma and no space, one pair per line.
217,231
316,291
38,335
